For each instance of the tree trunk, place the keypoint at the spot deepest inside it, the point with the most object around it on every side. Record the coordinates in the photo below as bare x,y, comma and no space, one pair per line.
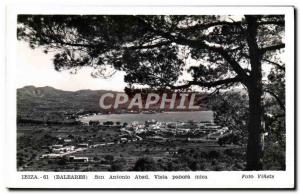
255,129
254,84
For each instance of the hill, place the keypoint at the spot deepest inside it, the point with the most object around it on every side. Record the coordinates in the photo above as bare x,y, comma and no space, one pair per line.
49,103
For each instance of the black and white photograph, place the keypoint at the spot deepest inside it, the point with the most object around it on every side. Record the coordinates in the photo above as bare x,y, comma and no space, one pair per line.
162,93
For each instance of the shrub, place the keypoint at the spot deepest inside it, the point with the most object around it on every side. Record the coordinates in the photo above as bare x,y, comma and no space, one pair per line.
118,165
145,164
213,154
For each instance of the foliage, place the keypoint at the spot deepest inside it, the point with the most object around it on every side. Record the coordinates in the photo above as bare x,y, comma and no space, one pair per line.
145,164
153,50
109,157
108,123
231,110
118,165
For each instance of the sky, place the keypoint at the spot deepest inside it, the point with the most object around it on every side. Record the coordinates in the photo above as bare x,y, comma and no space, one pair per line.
36,68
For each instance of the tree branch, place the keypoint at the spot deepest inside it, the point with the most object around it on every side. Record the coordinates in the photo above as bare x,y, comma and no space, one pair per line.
208,25
280,103
200,45
53,36
149,46
276,64
271,48
207,84
268,61
280,23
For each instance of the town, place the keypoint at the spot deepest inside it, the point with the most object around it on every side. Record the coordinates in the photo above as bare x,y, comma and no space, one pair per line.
154,138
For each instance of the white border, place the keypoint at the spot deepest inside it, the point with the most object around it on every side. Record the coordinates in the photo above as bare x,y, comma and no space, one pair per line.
225,179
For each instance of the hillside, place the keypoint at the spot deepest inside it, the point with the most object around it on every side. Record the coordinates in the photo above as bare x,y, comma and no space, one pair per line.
44,102
47,103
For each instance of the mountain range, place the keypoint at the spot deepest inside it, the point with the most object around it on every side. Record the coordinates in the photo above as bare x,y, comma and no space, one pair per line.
48,103
35,102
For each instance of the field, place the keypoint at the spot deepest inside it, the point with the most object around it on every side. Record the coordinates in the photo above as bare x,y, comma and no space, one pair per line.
106,153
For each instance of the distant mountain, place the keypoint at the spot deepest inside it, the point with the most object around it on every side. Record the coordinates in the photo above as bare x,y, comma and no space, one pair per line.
48,103
41,102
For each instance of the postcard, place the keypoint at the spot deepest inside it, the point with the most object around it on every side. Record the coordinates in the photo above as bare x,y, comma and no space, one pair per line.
176,97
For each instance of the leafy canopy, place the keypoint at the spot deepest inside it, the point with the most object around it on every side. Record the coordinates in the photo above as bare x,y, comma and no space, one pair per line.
156,50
